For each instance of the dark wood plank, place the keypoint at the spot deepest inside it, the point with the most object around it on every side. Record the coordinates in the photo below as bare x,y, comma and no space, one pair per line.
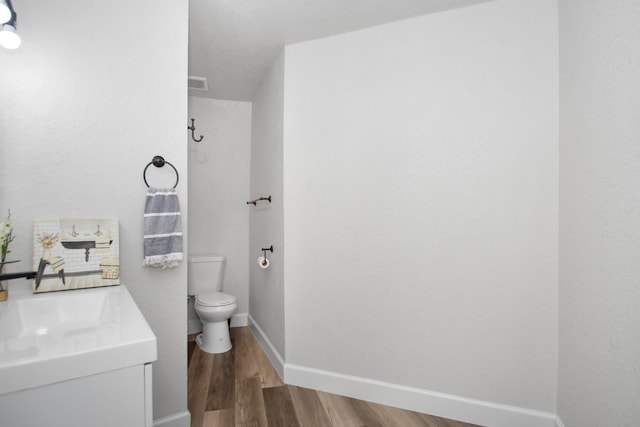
279,407
308,407
221,418
268,375
250,410
390,416
222,385
433,421
198,375
191,345
365,413
246,361
340,410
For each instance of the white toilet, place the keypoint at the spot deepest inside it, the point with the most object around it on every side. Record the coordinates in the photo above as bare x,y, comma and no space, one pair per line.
214,308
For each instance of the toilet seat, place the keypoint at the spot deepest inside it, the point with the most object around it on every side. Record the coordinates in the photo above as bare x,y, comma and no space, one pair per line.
215,299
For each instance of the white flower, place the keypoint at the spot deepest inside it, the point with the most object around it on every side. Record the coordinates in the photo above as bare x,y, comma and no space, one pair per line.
5,232
5,228
6,237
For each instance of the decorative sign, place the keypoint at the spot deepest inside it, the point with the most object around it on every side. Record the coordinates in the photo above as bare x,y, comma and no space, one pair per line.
75,253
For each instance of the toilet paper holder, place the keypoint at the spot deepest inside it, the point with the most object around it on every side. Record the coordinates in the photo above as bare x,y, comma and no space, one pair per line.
264,251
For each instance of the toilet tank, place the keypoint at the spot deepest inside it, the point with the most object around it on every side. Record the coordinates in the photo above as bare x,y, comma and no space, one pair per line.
204,274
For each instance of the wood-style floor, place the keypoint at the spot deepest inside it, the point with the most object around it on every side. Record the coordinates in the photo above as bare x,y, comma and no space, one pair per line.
241,388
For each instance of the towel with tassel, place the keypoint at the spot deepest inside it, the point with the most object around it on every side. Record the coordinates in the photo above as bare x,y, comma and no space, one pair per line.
162,229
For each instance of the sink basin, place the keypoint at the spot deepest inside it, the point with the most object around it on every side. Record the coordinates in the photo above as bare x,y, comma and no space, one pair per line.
82,244
86,245
53,337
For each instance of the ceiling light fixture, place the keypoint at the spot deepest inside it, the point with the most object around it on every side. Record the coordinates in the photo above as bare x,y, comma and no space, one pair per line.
9,38
5,11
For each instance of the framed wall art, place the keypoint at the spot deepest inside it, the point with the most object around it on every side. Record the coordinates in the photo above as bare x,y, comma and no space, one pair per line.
75,253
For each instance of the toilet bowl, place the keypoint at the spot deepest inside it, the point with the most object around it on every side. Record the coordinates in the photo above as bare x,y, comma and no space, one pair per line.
213,307
214,310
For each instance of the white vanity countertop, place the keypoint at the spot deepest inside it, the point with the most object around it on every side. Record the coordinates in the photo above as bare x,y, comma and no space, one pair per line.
58,336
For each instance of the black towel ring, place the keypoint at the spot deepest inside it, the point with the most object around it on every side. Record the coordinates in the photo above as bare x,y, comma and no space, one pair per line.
159,161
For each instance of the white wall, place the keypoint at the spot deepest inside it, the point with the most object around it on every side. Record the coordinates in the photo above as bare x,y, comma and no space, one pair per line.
219,189
599,364
267,219
420,181
94,92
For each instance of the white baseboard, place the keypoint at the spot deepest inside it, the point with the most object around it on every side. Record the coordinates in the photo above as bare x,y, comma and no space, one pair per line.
428,402
268,348
179,419
424,401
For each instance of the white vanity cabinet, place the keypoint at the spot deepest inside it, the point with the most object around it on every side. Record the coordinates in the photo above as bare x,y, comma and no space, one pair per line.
117,398
75,358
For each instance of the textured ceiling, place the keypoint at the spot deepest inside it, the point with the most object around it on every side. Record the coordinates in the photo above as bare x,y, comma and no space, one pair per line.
233,43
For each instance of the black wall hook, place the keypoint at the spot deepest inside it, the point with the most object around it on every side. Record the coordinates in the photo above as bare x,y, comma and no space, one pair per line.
192,128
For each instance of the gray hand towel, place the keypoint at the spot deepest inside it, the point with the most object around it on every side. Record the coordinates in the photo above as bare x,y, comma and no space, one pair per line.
162,228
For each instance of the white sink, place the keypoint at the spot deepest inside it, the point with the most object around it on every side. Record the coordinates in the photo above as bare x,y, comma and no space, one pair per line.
58,336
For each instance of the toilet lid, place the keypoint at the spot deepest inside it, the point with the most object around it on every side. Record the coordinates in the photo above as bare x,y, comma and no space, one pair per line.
215,299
